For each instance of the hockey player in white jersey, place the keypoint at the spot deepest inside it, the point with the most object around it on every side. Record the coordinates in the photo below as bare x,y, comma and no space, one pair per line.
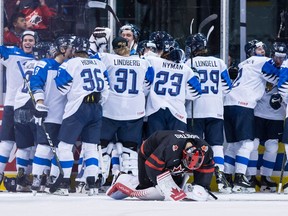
85,83
174,82
269,122
239,104
14,80
208,110
49,107
130,79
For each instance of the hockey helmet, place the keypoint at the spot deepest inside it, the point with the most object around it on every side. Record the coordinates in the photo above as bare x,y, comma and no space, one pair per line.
134,29
195,43
81,44
159,38
60,43
31,33
251,46
279,49
193,157
176,55
42,50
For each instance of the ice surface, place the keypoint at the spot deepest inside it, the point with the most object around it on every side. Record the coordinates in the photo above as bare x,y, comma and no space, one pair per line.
25,204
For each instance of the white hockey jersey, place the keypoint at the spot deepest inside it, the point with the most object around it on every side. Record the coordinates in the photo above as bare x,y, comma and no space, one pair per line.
43,86
215,83
264,110
79,77
14,78
22,96
249,86
129,79
173,83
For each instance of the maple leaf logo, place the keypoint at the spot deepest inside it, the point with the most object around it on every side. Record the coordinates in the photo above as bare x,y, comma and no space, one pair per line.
177,194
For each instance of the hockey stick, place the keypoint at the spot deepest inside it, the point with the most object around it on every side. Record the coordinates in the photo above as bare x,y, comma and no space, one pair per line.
191,26
55,185
282,172
209,32
206,21
104,5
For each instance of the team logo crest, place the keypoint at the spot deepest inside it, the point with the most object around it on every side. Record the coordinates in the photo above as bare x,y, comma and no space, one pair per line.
175,147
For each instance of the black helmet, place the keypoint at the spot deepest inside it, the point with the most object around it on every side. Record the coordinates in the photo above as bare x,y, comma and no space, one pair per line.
195,43
159,38
135,30
81,44
251,46
279,49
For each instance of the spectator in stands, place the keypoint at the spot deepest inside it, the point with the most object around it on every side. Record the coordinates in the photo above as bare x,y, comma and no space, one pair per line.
12,34
37,15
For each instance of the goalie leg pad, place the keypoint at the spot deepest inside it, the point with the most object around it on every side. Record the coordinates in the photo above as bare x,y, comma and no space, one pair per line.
196,192
126,184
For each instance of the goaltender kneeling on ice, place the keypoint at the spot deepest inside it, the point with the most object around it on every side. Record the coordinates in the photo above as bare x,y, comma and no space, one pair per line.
165,162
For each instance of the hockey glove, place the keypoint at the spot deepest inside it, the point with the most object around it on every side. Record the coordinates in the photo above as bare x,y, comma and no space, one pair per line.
275,101
41,111
99,39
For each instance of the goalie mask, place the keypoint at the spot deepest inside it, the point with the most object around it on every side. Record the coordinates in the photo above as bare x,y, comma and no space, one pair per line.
192,157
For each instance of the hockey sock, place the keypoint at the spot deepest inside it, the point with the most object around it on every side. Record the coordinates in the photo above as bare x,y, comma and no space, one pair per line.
91,159
6,148
243,155
218,156
253,160
23,158
42,159
66,158
269,157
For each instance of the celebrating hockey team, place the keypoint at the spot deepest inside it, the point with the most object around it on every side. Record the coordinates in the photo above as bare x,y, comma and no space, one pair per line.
139,114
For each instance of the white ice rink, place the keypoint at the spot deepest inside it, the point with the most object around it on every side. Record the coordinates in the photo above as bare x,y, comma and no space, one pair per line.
25,204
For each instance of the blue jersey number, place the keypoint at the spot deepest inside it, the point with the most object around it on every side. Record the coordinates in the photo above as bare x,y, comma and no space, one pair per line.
122,84
27,77
163,76
91,80
213,76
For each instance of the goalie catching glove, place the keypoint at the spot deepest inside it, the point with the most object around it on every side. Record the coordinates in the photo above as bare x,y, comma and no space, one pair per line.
275,101
99,39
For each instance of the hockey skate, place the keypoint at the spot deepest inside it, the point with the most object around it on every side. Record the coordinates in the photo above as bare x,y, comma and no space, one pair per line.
63,189
223,185
22,181
92,189
242,185
267,184
35,187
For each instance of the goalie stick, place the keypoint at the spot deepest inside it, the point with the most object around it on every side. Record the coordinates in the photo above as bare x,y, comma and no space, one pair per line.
105,6
206,21
282,172
56,184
